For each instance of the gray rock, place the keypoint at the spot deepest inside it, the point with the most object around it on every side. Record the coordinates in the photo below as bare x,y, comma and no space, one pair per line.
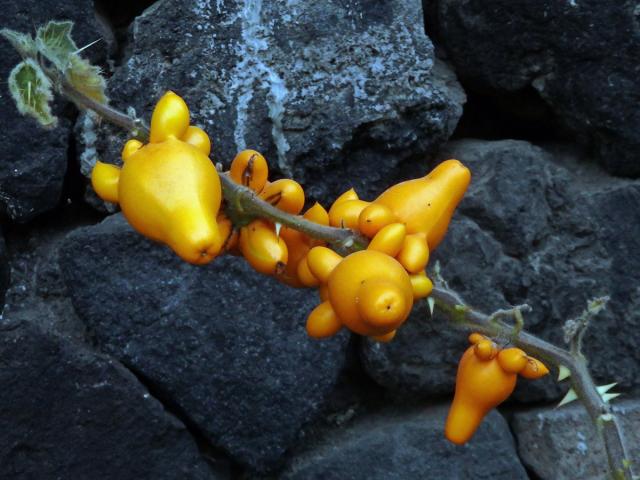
66,412
562,444
534,228
409,444
226,346
33,161
580,55
321,89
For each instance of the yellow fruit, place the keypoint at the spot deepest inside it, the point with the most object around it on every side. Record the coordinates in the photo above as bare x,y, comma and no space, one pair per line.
414,253
306,277
168,190
426,204
534,369
265,251
285,194
421,285
481,385
512,360
349,283
170,118
373,218
322,322
104,179
486,349
317,214
389,239
321,262
198,138
249,168
348,195
345,214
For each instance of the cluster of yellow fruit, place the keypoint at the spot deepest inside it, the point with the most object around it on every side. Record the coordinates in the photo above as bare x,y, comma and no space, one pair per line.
371,292
169,191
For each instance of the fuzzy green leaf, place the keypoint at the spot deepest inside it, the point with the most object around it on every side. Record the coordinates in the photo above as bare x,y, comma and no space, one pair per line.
86,78
31,90
54,42
23,43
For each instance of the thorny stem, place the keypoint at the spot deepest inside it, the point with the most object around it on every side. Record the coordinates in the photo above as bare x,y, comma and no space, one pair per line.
245,203
600,411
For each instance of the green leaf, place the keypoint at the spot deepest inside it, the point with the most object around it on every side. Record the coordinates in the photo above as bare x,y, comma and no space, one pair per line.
54,42
86,78
31,90
22,42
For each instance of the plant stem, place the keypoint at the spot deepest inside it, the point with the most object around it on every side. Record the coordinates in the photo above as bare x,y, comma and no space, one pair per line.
244,203
600,411
136,127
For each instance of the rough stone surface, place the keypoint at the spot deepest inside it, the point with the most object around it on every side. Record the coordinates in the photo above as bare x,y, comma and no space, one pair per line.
66,412
33,161
226,346
580,55
563,444
409,444
539,228
5,271
325,91
37,293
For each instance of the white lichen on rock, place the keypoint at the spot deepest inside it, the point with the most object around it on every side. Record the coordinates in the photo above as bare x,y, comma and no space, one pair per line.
251,69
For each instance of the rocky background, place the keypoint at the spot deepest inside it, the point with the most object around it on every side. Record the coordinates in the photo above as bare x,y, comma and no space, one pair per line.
117,361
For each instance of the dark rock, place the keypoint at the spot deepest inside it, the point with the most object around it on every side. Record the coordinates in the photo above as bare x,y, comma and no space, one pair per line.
563,443
409,444
533,230
33,161
37,293
226,346
5,272
66,412
580,55
320,89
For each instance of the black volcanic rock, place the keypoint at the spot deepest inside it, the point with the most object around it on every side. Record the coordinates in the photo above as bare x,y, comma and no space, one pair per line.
581,56
67,412
227,346
400,445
